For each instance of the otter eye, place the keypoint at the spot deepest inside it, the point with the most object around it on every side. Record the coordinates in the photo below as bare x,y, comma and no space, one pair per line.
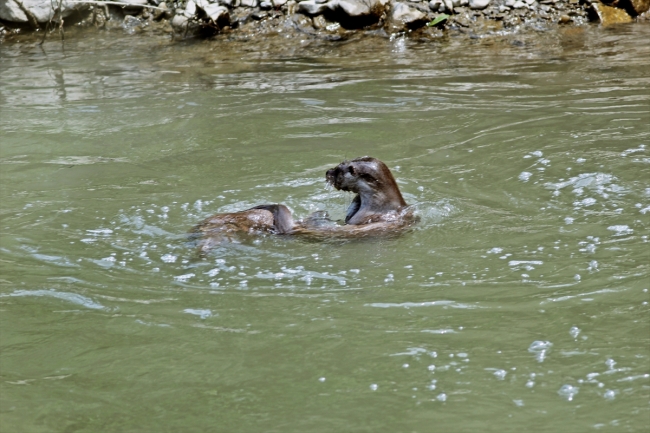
351,170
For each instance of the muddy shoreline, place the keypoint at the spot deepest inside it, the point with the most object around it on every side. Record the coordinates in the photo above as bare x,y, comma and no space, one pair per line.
328,20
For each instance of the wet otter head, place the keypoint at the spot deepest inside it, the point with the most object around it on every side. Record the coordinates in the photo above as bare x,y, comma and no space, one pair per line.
376,189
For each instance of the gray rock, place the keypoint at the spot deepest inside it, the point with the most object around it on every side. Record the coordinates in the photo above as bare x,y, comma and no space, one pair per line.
229,3
449,5
434,5
278,3
310,7
164,13
479,4
248,3
214,11
41,10
403,16
266,4
358,8
190,9
519,4
179,21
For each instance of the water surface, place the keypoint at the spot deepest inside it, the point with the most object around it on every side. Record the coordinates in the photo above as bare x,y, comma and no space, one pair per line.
519,303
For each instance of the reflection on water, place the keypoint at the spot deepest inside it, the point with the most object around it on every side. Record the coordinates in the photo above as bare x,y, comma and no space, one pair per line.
519,302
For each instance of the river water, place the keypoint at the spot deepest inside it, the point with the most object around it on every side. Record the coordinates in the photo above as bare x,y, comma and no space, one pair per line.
518,303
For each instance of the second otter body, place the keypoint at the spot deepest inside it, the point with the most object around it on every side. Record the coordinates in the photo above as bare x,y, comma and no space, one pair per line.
378,207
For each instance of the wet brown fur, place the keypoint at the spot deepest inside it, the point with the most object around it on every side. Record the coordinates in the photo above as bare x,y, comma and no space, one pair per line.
378,208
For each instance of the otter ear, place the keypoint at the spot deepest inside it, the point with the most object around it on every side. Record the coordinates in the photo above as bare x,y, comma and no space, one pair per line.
351,170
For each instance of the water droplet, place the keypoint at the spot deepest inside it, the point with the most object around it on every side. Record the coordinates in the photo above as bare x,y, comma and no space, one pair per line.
568,391
609,394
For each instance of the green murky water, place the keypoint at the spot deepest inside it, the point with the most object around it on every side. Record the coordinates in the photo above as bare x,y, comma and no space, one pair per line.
519,303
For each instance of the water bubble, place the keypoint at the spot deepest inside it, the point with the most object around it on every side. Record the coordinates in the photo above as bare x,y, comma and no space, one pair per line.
568,220
169,258
568,391
374,387
530,384
540,349
610,363
500,374
442,397
524,176
405,366
574,331
203,314
621,230
610,394
577,277
518,403
321,379
431,367
184,278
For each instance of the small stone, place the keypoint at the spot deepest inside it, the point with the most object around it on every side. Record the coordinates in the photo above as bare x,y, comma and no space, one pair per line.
190,9
266,4
249,3
640,6
510,3
217,13
310,7
449,6
358,8
608,15
403,17
319,22
529,2
179,21
519,4
278,3
564,19
434,5
478,4
164,13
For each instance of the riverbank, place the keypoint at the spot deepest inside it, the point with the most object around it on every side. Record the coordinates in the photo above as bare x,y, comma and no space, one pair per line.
333,20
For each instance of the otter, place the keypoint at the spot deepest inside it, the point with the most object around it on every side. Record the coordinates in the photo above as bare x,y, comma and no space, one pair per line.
377,208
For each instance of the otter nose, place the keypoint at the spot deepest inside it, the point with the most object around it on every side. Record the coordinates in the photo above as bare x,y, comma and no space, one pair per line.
329,174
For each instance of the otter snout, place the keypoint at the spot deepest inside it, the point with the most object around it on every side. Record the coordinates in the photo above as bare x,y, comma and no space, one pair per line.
333,177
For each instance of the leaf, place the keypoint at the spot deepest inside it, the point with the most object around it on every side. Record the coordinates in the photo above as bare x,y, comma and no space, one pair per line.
437,20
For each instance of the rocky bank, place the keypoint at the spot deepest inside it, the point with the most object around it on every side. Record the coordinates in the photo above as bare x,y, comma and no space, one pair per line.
326,19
